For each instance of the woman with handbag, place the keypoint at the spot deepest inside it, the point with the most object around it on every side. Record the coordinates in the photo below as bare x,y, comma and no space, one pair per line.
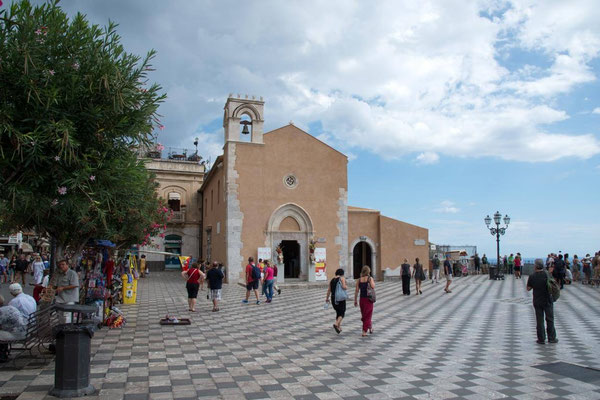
337,294
419,275
366,286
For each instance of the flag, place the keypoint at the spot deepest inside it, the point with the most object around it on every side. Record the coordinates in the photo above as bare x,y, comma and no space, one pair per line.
185,262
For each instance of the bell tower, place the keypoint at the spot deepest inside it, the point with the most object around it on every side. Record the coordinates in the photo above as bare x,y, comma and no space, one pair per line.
235,109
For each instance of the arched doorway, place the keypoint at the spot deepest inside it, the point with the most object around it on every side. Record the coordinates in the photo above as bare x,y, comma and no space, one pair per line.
361,255
291,228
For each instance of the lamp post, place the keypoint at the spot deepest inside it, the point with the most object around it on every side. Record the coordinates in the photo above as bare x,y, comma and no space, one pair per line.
497,231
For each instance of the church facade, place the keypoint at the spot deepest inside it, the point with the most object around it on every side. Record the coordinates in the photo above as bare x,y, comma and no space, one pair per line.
283,195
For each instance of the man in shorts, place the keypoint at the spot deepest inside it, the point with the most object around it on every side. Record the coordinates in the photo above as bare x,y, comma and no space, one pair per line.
448,272
251,282
215,276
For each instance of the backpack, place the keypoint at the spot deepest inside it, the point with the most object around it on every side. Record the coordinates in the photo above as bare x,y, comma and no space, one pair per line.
255,273
340,293
553,288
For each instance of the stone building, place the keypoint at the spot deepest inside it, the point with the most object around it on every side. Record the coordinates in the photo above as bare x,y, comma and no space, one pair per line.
179,179
286,189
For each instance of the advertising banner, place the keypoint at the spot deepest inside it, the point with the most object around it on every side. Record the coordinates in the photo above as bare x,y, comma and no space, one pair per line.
320,264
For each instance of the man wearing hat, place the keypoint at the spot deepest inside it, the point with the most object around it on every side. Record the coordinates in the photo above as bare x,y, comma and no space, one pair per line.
21,301
542,302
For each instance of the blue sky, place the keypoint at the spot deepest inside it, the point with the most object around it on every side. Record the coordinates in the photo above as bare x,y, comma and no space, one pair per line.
448,111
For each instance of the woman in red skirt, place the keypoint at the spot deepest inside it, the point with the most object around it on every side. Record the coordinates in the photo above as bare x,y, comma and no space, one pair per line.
366,306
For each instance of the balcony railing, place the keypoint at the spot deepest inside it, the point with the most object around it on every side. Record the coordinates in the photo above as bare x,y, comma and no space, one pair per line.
178,217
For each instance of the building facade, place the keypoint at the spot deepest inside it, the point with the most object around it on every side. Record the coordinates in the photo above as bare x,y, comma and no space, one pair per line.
287,191
179,181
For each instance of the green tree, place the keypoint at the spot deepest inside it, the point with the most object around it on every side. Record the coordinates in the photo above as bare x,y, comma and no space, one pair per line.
74,106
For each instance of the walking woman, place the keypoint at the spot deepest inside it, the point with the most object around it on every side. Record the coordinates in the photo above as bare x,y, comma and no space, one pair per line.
12,268
587,269
192,276
419,275
268,281
518,263
366,306
339,305
405,274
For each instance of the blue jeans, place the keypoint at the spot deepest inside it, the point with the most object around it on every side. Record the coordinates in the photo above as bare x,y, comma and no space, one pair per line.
269,288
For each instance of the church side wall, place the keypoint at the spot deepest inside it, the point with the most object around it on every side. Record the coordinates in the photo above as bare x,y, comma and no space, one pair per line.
321,174
397,241
214,214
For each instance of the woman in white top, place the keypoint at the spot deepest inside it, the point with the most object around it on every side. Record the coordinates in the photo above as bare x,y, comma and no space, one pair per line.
38,270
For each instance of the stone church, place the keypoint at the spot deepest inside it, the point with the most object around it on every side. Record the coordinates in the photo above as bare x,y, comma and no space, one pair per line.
286,190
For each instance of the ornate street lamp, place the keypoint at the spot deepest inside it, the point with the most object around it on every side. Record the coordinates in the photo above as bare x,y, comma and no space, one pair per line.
497,231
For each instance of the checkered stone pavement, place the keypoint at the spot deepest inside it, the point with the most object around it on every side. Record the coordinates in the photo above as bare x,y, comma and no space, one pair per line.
475,343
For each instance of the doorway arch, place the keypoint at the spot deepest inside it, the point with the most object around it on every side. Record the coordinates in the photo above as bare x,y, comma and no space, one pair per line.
363,252
291,226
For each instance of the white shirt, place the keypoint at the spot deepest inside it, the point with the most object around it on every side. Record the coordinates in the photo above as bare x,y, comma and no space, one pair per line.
45,281
24,303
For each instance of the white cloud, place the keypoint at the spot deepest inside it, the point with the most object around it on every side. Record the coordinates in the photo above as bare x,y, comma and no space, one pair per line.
398,79
427,157
596,110
447,207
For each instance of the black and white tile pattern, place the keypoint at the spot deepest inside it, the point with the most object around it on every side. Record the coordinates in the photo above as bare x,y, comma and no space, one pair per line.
475,343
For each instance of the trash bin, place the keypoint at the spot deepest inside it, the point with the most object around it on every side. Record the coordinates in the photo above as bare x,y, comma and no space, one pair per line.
493,272
72,364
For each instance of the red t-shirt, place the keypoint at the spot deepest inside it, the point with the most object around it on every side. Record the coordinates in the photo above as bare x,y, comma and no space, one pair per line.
249,273
193,275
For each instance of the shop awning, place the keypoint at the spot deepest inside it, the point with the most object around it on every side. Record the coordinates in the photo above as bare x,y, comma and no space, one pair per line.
26,247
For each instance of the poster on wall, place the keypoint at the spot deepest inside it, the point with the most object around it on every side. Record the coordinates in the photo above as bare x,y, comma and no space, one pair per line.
264,253
320,264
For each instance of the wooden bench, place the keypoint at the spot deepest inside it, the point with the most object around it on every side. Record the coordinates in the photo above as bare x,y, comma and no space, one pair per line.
38,333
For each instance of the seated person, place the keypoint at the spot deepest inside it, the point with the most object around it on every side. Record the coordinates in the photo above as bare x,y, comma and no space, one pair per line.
21,301
13,326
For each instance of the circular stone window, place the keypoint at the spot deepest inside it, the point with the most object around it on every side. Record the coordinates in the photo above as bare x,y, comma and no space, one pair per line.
290,181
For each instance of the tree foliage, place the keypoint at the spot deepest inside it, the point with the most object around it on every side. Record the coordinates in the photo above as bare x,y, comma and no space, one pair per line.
74,106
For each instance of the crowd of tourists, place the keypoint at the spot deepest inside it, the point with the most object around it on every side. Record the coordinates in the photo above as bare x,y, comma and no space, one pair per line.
16,268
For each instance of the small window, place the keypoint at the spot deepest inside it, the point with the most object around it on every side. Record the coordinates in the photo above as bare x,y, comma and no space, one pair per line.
174,201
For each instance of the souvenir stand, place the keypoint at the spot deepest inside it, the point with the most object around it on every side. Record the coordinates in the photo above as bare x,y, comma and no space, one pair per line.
100,286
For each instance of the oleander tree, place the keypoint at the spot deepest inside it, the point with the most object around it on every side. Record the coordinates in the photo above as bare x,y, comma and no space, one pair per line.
74,107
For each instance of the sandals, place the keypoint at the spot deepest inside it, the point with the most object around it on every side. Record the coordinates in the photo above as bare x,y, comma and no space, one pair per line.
338,330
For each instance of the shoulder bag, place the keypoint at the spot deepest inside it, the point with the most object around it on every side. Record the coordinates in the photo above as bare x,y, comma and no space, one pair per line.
371,292
340,293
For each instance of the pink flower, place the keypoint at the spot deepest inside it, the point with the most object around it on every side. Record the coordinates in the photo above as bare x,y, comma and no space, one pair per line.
56,158
161,127
92,178
160,147
75,65
55,201
162,235
51,72
62,190
37,31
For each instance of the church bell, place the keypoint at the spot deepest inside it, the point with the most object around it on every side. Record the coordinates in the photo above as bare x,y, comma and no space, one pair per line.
245,130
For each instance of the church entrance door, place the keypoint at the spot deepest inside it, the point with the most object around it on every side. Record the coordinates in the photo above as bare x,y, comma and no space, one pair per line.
291,258
361,255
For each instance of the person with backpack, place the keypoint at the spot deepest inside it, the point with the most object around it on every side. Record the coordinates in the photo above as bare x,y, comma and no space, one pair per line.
336,293
252,280
405,276
436,269
542,285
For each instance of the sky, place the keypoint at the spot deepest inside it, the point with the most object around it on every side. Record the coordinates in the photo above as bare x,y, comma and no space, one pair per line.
448,110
